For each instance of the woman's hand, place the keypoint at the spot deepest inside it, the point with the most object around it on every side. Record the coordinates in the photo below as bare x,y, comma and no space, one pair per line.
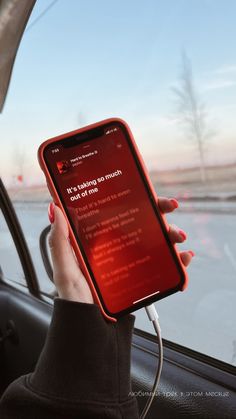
68,278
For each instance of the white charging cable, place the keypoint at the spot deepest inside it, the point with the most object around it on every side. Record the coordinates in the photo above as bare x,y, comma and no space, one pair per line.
154,318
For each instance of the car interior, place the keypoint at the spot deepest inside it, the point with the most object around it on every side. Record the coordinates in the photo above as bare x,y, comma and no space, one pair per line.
193,384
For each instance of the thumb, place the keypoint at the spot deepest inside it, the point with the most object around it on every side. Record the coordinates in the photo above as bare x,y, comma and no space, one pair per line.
68,278
63,259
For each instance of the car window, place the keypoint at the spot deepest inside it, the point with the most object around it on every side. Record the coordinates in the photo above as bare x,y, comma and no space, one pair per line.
10,264
169,69
31,208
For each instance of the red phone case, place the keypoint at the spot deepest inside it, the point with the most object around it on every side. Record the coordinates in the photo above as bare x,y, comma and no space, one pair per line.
56,199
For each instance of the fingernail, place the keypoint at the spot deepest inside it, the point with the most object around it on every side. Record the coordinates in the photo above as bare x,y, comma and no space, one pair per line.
191,253
183,234
174,202
51,214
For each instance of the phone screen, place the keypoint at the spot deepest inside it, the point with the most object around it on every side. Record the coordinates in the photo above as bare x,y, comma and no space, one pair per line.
117,225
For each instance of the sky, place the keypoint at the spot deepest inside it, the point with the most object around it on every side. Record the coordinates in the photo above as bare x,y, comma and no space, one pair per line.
87,60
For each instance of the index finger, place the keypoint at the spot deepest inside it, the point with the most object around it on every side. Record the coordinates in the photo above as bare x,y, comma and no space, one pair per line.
167,204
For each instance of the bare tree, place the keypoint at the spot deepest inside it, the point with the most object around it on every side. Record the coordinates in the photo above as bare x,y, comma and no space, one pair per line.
191,112
19,158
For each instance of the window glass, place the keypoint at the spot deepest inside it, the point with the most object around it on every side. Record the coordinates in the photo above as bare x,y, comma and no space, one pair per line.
169,69
31,208
10,263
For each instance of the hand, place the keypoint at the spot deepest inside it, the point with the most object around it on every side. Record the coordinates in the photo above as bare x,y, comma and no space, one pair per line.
68,278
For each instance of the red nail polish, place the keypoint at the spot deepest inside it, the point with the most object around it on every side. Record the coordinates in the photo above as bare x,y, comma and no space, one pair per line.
183,234
51,214
174,203
191,253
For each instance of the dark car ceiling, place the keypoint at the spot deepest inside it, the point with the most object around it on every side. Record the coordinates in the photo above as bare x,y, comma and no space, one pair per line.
14,15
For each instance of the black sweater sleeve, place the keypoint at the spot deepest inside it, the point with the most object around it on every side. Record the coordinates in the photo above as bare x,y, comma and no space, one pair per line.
83,371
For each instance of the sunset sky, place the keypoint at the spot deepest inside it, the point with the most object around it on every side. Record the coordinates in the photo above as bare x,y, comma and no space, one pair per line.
88,60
